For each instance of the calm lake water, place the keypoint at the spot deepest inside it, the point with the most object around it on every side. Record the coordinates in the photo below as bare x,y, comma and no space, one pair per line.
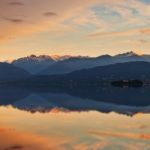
74,120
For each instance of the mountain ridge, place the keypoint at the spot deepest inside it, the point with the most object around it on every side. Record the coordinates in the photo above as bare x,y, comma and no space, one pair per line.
55,64
10,72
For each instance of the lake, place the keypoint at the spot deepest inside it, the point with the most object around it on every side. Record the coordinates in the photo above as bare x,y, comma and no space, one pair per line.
74,119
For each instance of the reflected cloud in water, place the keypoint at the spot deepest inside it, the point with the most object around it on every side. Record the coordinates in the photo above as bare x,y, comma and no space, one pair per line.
74,130
11,139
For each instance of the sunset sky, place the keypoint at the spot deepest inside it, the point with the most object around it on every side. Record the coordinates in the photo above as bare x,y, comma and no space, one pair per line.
75,27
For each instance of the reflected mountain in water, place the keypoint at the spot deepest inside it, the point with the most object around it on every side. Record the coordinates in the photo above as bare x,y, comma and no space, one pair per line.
104,99
9,95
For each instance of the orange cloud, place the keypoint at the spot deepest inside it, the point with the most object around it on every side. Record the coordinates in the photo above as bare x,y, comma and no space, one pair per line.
122,135
11,139
145,31
32,16
122,33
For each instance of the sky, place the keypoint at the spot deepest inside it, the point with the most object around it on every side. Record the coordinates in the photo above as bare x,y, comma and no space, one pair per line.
73,27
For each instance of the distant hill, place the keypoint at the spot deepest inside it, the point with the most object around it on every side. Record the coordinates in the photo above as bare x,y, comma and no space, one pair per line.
9,72
95,76
121,71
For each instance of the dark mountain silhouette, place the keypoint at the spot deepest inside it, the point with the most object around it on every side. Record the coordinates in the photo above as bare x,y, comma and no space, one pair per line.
96,76
128,70
48,65
73,64
34,64
10,72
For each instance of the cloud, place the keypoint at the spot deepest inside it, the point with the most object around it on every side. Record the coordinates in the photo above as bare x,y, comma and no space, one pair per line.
35,22
14,20
142,136
72,14
145,31
16,3
49,14
143,41
122,33
10,139
115,33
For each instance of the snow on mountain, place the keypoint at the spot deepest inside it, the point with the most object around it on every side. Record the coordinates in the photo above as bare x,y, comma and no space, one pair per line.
35,64
34,58
59,58
128,54
56,64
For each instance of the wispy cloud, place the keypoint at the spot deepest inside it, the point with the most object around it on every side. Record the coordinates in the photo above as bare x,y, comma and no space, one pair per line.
50,14
142,136
29,141
143,41
68,22
122,33
145,31
13,20
16,3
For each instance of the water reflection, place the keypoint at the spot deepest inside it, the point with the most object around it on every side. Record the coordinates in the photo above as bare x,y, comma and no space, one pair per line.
103,99
73,131
72,119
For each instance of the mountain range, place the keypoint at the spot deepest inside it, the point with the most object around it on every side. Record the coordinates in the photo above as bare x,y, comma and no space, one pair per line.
49,65
93,77
10,72
77,68
36,64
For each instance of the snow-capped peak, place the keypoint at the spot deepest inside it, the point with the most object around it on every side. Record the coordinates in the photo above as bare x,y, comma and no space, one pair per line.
34,58
128,54
58,57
